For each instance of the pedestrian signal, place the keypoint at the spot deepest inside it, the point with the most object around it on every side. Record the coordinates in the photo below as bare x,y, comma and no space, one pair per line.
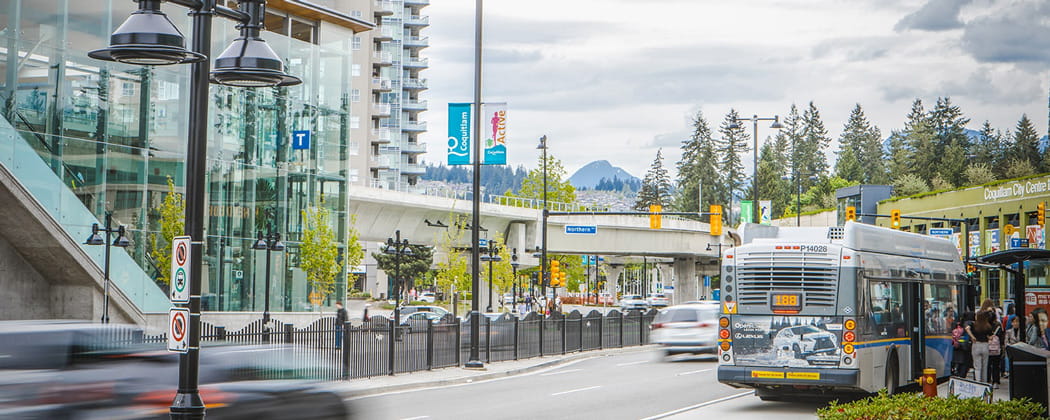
895,219
715,219
851,213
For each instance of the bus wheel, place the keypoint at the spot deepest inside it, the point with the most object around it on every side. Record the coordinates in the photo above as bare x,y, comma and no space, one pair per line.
892,381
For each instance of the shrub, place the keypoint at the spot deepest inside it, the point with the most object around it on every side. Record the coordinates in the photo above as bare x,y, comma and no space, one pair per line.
915,406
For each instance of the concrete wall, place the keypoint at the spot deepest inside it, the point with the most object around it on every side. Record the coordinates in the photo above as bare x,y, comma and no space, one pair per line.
823,219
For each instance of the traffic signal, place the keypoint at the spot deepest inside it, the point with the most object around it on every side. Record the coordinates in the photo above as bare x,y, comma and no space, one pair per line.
654,219
555,272
715,220
895,219
851,214
1040,216
564,280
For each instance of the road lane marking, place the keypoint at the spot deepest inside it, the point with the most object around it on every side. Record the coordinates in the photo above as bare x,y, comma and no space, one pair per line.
690,373
695,406
416,418
632,363
576,390
560,372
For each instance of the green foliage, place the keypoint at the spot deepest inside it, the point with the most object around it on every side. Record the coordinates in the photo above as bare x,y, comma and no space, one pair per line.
1025,146
938,184
318,252
909,184
913,406
502,271
771,183
355,253
410,267
698,169
558,187
810,155
172,224
656,186
860,151
978,174
732,148
1018,168
453,271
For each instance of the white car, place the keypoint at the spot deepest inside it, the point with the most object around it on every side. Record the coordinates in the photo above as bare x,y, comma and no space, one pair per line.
508,298
632,302
658,300
808,343
689,328
427,297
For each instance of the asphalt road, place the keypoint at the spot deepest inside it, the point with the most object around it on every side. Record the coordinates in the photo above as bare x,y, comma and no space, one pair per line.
628,386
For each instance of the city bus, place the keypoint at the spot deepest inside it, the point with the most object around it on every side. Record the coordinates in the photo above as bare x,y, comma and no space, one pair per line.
830,310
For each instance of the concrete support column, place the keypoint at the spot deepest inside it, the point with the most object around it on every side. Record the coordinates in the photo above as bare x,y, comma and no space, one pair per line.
665,276
706,267
612,279
686,287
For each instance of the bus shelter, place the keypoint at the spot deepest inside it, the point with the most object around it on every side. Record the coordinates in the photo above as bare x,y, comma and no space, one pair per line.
1012,261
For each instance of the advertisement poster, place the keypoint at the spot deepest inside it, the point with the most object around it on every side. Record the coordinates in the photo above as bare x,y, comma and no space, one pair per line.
1034,233
992,237
957,240
746,211
1036,298
765,215
975,243
787,341
458,134
495,120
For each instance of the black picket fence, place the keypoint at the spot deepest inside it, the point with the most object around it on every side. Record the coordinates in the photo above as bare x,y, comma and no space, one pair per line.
365,350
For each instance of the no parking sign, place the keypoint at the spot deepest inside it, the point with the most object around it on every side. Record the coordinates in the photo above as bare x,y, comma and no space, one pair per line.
180,270
178,330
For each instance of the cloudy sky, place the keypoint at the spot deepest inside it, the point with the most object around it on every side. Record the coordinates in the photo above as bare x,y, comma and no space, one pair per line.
619,79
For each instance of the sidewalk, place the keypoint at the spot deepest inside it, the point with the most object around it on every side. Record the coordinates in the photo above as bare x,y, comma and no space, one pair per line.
361,387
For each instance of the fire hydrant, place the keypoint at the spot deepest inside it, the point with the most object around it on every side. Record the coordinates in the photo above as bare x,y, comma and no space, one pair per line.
928,380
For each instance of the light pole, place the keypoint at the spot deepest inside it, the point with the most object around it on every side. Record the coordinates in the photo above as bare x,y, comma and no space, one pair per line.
798,194
96,239
269,243
474,361
148,37
514,266
719,245
399,248
543,250
754,173
493,256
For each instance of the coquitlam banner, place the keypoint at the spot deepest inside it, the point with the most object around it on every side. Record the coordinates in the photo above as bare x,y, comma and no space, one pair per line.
496,135
458,134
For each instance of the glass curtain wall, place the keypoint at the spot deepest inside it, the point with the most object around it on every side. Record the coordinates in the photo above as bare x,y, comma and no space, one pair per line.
112,136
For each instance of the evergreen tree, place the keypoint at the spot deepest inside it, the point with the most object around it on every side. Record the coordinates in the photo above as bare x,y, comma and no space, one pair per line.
771,182
864,162
1025,145
922,141
699,169
988,150
900,155
656,186
847,166
949,127
733,145
815,141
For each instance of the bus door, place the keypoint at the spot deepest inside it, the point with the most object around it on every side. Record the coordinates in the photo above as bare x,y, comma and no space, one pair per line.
915,322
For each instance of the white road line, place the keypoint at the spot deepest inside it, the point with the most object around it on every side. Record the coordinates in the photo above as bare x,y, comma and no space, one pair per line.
695,371
575,390
561,372
416,418
694,407
632,363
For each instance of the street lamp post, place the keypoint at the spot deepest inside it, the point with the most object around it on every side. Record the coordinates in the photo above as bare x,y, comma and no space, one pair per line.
754,174
148,37
398,248
269,243
514,266
96,239
493,256
719,245
543,249
798,194
474,361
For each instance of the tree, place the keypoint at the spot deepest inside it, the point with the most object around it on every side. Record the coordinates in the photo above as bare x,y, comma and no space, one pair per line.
909,184
771,182
559,189
949,127
355,253
410,267
656,186
988,149
1019,168
814,143
860,150
318,252
172,224
733,145
502,271
848,166
698,169
978,173
453,272
1026,145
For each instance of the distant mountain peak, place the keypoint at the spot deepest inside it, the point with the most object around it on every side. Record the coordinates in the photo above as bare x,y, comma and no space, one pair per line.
590,174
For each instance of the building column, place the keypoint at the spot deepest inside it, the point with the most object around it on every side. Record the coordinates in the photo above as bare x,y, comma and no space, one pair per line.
612,279
685,284
666,277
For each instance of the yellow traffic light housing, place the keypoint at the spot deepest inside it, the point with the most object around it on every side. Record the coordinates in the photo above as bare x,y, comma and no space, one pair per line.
895,219
1040,217
555,272
851,214
654,219
715,219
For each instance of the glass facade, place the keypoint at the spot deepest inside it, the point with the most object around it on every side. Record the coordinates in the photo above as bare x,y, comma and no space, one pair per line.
88,137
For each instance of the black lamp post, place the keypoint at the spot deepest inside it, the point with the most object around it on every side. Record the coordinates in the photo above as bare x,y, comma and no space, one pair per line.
492,256
514,286
269,243
543,249
398,248
754,174
148,37
798,194
96,239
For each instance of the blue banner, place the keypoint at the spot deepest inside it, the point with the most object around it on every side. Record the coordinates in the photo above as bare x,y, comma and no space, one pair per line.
459,134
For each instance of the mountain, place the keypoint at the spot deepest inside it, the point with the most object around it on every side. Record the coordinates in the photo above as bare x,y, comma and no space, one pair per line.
590,174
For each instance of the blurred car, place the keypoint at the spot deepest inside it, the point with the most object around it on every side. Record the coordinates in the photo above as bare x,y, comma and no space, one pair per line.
508,298
658,300
82,370
631,302
418,320
406,310
428,297
689,328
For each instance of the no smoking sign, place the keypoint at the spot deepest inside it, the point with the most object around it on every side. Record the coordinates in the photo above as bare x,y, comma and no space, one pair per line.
178,330
180,269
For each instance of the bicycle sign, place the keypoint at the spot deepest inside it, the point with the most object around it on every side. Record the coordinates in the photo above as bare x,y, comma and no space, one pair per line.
180,266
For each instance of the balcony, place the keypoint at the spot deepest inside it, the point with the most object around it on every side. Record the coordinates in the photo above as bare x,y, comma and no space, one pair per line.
380,110
383,33
382,58
381,136
413,20
381,162
413,148
417,2
416,41
413,169
416,84
380,84
384,8
415,62
414,105
413,126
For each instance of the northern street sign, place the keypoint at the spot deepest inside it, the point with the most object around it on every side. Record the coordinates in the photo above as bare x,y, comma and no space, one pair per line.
581,230
179,330
941,232
180,270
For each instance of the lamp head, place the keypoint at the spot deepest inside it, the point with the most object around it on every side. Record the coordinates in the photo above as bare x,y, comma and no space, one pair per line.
147,38
734,125
121,241
543,143
249,61
95,238
277,245
708,247
260,242
776,123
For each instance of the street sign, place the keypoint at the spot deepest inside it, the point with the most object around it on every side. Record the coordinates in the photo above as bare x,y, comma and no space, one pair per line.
483,242
581,230
941,232
301,139
179,330
180,270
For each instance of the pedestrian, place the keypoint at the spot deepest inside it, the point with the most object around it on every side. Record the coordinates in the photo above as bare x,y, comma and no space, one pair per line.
979,331
340,323
961,344
995,351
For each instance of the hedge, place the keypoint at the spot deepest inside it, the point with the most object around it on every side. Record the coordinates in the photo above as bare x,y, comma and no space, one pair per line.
907,406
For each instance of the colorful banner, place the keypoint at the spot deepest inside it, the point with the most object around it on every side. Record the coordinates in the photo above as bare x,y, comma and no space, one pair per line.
746,212
458,134
765,209
993,240
975,244
495,119
1035,234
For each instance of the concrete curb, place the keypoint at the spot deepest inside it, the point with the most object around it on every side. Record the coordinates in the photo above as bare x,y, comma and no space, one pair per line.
544,363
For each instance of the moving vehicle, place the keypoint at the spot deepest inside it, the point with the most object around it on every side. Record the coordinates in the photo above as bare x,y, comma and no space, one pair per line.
405,310
836,309
633,302
689,328
428,297
658,300
508,298
418,321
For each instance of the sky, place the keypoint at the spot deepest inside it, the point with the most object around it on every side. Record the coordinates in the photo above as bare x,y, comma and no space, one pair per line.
620,79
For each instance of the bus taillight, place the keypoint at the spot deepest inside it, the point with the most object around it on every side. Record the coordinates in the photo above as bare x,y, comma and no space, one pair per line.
723,334
849,338
725,346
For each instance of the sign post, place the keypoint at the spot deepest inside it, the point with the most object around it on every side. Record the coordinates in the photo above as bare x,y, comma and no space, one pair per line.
180,270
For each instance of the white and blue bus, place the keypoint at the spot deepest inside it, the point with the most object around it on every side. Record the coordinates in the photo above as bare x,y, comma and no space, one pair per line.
849,309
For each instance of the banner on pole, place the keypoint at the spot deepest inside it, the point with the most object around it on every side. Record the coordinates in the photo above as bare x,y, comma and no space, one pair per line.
495,115
746,211
765,209
458,134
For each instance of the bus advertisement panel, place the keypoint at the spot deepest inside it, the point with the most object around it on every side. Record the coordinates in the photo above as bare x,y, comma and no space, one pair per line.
782,341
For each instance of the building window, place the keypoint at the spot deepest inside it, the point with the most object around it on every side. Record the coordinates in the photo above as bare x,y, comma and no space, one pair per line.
356,43
355,95
356,13
298,28
355,121
303,31
127,89
355,70
275,22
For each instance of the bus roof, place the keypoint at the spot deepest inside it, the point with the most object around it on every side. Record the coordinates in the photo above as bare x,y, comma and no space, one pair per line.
856,236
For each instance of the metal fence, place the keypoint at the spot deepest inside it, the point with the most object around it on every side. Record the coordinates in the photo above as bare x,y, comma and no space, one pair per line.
322,351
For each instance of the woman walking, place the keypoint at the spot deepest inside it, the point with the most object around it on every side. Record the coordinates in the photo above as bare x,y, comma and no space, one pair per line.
979,332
